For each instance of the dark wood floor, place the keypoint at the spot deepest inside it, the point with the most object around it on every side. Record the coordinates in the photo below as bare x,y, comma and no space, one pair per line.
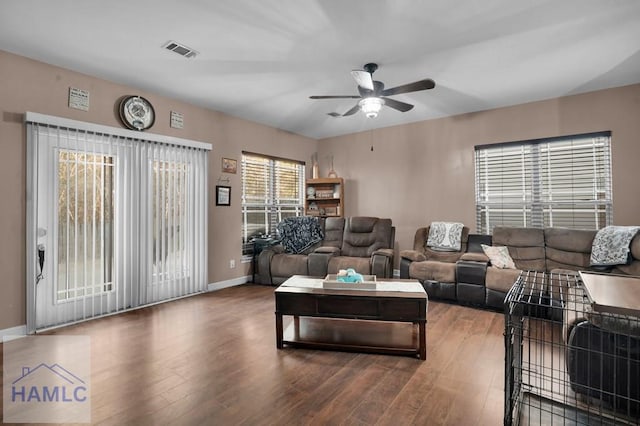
212,359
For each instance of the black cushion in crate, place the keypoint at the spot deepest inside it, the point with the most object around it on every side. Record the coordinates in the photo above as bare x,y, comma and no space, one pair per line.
606,366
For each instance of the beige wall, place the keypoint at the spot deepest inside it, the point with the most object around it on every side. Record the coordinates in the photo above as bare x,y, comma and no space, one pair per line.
424,171
27,85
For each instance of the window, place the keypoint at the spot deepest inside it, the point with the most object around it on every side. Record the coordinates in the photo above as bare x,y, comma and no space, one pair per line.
85,224
562,182
272,189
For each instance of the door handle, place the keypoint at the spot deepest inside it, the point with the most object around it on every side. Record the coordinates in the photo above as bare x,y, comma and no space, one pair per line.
40,266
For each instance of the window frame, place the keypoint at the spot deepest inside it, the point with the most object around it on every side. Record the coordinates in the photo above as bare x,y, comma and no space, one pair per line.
275,207
556,181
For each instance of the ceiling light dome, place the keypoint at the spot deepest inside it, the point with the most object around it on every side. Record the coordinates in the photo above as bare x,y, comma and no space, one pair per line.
371,106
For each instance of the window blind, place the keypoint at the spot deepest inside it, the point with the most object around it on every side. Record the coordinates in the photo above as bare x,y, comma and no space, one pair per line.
560,182
272,189
117,219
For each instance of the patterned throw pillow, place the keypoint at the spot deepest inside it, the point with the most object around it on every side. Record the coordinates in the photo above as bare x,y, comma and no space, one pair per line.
499,256
445,236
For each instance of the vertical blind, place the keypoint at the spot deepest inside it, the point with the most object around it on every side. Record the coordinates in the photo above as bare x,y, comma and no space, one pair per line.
121,217
561,182
272,189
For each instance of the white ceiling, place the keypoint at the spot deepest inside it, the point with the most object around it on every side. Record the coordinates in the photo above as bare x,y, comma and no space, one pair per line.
262,59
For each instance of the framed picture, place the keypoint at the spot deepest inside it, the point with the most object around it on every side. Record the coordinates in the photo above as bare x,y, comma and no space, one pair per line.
229,165
223,195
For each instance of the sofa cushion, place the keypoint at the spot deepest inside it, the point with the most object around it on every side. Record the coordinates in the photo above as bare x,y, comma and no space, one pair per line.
285,265
333,231
559,259
568,248
634,267
631,269
442,256
518,237
361,265
501,279
570,240
412,255
475,257
635,247
526,246
364,235
361,225
443,272
499,256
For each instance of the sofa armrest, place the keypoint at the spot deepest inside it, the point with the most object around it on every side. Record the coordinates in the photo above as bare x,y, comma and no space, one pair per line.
404,268
383,252
318,261
335,251
475,257
412,255
264,263
382,263
471,272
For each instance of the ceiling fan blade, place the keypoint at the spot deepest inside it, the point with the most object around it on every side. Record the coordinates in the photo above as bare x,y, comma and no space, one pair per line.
400,106
363,78
352,111
335,97
334,114
411,87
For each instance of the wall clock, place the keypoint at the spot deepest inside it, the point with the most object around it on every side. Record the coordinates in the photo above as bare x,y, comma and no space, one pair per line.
136,113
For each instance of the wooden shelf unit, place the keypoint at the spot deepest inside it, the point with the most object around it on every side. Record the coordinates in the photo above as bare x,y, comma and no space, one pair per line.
328,198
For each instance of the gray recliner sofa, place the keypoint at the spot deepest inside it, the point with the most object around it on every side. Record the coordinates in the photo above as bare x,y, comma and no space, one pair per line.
362,243
468,276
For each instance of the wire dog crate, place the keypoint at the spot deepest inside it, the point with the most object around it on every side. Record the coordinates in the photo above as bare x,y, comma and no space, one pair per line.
570,359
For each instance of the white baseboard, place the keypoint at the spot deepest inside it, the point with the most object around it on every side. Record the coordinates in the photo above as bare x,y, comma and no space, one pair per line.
228,283
13,333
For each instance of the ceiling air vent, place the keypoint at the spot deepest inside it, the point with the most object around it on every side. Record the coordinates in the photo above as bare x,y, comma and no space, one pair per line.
180,49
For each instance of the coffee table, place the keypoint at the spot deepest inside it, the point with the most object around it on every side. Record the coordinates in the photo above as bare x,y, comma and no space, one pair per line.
363,320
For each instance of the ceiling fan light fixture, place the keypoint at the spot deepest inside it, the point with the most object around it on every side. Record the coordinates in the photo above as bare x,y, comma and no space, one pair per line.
371,106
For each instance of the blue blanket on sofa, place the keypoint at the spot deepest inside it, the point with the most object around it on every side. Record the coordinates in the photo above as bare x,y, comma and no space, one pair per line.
299,233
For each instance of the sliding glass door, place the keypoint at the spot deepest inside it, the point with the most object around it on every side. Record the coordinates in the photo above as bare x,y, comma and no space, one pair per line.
118,223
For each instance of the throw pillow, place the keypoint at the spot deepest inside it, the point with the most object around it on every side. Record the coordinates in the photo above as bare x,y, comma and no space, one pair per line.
445,236
499,256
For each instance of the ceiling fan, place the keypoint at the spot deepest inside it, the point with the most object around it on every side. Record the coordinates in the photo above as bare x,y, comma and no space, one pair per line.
373,95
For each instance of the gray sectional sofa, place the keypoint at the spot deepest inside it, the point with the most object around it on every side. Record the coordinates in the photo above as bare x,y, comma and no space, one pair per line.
467,276
362,243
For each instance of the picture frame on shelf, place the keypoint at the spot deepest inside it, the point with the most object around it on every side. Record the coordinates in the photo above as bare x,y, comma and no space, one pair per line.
223,195
229,165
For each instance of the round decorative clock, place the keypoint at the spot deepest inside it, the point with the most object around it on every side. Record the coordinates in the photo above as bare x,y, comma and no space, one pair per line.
311,192
136,113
